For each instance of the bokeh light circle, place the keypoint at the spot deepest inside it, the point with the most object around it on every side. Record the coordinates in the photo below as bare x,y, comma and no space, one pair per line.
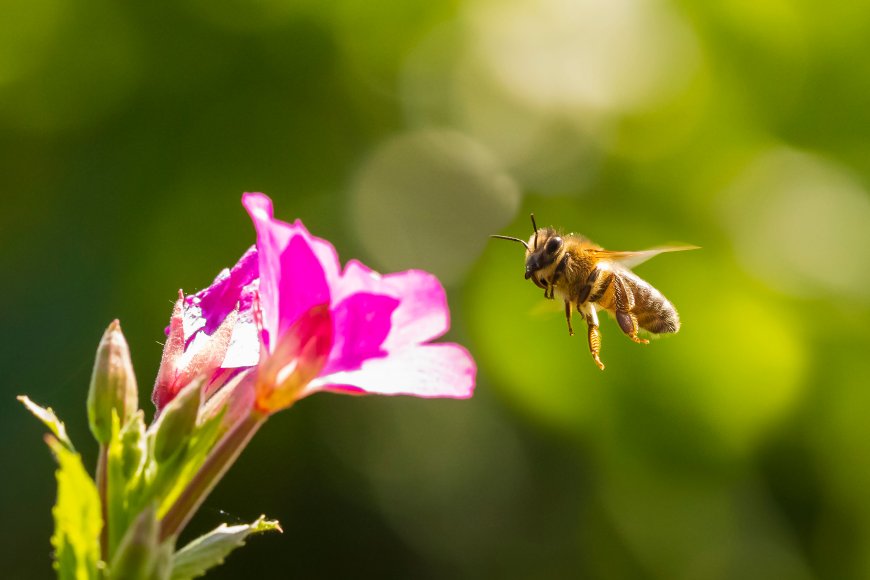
800,223
429,199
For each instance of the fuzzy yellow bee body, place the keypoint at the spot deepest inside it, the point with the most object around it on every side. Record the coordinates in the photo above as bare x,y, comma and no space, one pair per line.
587,277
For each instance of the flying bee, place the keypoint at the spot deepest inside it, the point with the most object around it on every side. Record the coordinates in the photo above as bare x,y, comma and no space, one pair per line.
587,277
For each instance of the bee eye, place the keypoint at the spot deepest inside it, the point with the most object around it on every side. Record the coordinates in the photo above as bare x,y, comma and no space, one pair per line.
553,245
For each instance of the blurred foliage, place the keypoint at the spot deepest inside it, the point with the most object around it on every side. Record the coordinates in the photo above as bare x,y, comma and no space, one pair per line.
406,132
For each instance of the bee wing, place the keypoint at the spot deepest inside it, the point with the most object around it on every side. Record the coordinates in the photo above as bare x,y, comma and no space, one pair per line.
632,259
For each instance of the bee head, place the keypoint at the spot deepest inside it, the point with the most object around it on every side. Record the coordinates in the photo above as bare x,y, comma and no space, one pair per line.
541,250
544,246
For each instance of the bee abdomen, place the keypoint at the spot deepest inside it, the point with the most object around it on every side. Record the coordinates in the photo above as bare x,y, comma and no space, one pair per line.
662,322
653,311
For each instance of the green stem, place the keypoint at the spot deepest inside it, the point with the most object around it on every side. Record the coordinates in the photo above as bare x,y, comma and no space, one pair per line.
213,469
102,488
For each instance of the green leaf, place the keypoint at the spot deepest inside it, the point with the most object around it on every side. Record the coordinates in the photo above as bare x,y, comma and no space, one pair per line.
47,416
210,550
77,517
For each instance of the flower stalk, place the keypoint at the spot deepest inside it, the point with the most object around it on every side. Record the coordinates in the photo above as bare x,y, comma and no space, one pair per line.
102,490
216,465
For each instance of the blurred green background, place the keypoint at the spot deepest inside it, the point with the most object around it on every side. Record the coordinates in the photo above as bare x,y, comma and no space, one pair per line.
406,131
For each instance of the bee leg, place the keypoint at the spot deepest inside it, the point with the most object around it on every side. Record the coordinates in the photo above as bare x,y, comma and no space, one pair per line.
568,317
627,321
594,338
547,286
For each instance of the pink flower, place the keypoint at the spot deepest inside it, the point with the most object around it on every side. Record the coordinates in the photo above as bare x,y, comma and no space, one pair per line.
289,311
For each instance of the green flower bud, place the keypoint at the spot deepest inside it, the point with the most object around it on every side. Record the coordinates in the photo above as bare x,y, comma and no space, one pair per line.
113,384
136,556
177,421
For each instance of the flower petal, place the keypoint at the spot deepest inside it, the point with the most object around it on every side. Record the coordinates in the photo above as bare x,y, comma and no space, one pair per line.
219,299
294,267
422,314
302,283
260,205
362,323
429,370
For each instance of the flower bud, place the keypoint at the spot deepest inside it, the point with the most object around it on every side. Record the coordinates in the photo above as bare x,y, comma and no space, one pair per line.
177,421
137,554
187,357
113,384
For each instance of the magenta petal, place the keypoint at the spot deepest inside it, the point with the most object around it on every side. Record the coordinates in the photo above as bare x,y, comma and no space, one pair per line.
422,314
221,297
429,370
259,207
302,283
325,252
357,277
292,276
270,243
362,323
208,308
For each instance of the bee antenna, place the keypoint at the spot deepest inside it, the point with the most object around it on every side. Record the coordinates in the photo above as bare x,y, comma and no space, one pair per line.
535,227
511,239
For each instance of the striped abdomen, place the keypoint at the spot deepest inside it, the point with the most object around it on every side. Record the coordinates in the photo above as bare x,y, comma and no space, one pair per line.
653,311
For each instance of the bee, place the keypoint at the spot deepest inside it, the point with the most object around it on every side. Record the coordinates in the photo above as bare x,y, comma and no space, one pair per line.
587,277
